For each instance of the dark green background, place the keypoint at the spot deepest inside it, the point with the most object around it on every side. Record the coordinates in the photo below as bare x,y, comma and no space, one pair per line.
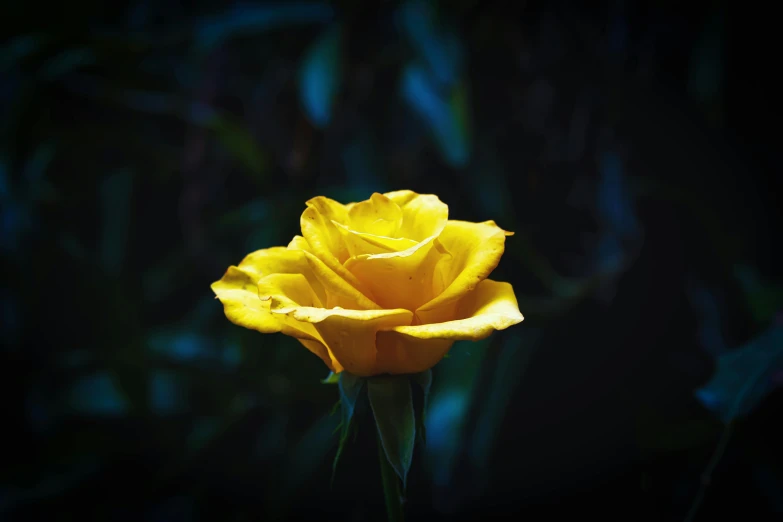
146,146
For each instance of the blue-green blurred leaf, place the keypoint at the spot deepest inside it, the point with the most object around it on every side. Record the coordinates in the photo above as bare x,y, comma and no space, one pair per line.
615,204
517,348
710,320
744,376
116,214
184,346
51,484
655,432
361,166
35,169
39,410
203,431
160,280
765,298
272,439
350,387
240,144
67,61
446,114
444,423
167,392
451,398
15,220
332,378
18,49
253,212
424,381
231,356
5,181
98,394
392,407
246,19
173,509
9,313
770,485
320,77
308,454
437,46
705,74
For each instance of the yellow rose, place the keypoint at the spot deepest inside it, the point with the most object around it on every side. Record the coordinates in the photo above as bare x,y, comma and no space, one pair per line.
382,286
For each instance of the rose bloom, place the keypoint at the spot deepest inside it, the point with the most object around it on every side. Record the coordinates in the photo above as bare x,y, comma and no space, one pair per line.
382,286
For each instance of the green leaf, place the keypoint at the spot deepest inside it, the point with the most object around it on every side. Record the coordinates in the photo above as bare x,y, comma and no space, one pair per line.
332,378
392,406
350,386
423,379
391,487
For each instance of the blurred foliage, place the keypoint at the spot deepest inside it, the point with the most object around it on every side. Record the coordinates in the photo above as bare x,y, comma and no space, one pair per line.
145,147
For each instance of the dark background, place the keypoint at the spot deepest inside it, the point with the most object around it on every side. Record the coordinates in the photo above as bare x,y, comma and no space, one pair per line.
146,146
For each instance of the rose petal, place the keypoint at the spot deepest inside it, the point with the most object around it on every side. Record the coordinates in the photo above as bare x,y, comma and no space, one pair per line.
411,349
280,260
338,291
404,279
348,334
423,215
359,243
238,290
325,241
378,215
476,249
292,290
321,351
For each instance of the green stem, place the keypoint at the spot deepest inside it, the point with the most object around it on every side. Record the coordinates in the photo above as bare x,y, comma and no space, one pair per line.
391,487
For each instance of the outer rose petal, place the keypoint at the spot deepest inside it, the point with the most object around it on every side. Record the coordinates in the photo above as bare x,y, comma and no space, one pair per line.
280,260
348,334
423,215
405,279
321,351
238,293
476,249
293,290
411,349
